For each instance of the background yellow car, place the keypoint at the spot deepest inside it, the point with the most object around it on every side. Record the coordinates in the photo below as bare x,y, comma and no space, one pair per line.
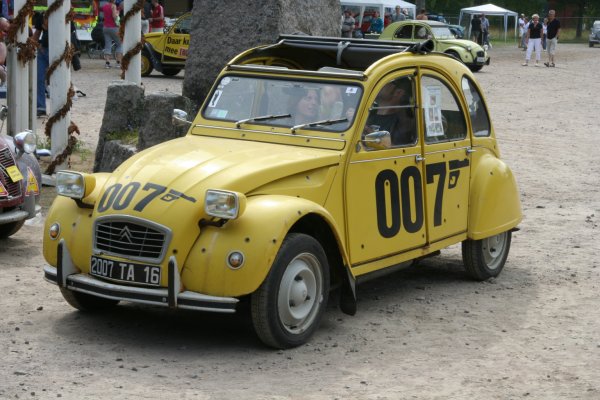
166,52
313,164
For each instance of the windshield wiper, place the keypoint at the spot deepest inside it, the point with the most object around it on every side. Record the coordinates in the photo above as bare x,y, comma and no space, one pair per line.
261,118
324,122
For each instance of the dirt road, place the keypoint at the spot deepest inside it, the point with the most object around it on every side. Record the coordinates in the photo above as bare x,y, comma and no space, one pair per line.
427,332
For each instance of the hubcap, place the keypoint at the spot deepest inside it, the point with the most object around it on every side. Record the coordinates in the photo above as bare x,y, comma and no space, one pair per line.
493,249
300,291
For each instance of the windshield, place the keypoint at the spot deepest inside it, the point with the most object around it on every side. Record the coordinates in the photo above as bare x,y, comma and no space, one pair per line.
442,32
284,103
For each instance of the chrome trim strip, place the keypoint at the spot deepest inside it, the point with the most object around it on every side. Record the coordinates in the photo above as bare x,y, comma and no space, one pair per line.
383,159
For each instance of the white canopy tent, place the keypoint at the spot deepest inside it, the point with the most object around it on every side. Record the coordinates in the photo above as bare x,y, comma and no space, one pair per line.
383,6
489,10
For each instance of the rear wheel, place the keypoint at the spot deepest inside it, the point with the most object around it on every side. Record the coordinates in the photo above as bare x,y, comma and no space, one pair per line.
288,306
146,63
9,229
86,302
171,71
485,258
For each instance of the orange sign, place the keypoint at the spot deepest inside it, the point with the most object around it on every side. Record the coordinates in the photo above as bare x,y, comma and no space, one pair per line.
32,184
3,191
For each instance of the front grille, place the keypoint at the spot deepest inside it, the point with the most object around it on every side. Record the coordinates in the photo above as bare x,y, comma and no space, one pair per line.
7,160
480,54
134,239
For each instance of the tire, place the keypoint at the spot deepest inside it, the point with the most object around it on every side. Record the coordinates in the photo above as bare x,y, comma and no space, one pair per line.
171,71
9,229
485,258
288,306
591,44
146,63
475,68
86,302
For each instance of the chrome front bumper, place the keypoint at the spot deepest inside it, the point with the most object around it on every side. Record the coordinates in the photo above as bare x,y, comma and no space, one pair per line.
69,277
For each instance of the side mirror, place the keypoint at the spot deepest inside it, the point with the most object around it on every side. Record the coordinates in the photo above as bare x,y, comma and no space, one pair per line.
180,118
379,140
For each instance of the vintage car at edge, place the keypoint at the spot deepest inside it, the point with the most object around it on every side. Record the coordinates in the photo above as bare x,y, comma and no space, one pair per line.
314,163
20,182
166,51
470,53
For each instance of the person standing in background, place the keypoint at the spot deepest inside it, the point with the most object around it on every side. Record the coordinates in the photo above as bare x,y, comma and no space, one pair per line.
476,29
553,30
533,38
348,24
545,33
146,13
157,18
398,15
111,33
41,36
521,29
485,27
422,15
376,23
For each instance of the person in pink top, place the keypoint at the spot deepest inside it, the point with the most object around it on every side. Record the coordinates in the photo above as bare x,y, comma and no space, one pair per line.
157,19
111,32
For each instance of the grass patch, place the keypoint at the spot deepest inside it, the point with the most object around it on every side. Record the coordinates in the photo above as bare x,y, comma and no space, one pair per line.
129,138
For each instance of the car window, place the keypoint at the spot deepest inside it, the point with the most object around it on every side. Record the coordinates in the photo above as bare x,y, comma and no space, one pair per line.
480,121
183,25
443,117
404,33
393,111
283,102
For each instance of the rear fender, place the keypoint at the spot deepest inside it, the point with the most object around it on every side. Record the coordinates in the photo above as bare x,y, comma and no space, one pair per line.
258,235
494,204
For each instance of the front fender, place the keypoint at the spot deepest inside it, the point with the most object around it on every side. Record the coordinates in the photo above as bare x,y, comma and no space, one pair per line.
155,57
494,201
75,225
258,234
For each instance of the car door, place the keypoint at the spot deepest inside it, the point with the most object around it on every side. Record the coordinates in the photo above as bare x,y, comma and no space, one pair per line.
446,154
177,40
384,186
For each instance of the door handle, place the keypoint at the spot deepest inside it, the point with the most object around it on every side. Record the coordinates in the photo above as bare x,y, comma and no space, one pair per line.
419,158
470,150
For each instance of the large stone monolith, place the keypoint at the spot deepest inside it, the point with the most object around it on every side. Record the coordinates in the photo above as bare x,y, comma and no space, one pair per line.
223,29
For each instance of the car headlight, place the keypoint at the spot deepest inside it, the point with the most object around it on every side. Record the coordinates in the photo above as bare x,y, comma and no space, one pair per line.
74,184
25,142
469,48
224,204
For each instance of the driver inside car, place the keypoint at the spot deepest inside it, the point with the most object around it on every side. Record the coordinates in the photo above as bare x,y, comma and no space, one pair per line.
392,112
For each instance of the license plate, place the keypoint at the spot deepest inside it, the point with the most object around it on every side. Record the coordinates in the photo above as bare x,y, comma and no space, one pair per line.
125,271
480,59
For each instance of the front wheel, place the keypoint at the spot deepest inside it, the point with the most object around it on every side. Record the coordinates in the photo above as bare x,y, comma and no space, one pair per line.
485,258
288,306
86,302
146,63
171,71
475,68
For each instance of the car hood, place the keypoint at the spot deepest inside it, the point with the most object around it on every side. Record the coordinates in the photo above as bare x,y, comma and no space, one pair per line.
183,169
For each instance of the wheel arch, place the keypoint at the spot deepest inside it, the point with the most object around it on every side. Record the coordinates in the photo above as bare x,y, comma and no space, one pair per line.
259,234
494,203
341,276
154,57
